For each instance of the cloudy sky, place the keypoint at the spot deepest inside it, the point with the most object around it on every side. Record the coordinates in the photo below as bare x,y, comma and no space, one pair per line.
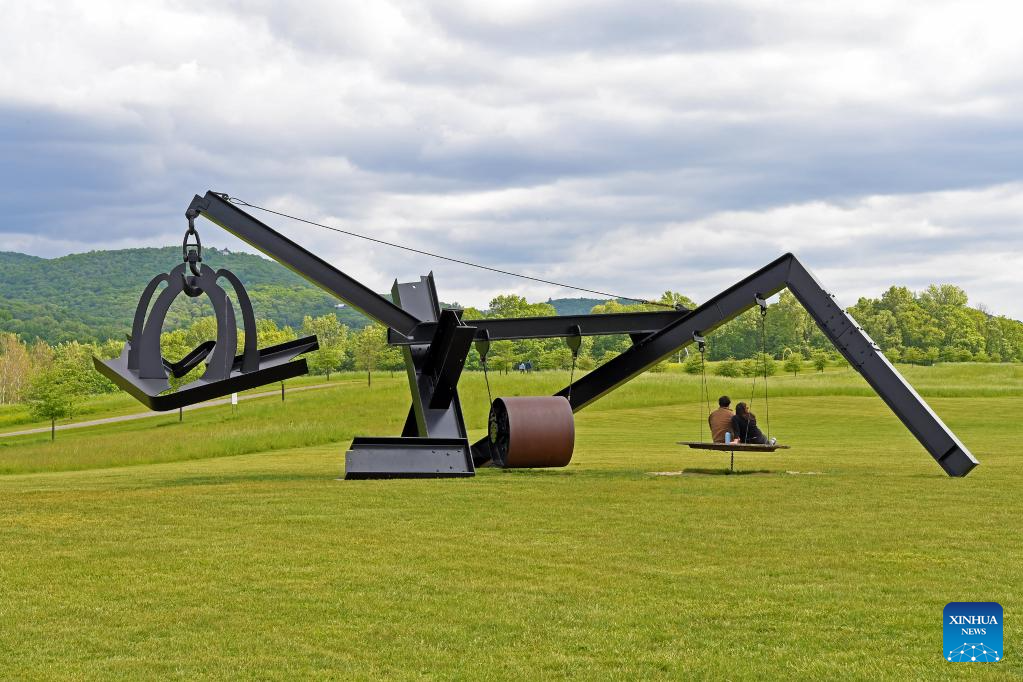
629,147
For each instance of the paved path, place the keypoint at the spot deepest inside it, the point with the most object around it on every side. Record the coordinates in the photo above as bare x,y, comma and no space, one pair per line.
145,415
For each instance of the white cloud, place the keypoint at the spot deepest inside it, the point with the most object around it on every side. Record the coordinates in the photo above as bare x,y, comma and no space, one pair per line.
585,141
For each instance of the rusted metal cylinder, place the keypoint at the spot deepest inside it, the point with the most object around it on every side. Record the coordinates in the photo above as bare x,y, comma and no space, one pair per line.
529,432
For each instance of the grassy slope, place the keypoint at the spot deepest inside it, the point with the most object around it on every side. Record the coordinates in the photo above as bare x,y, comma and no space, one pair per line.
944,380
17,417
265,565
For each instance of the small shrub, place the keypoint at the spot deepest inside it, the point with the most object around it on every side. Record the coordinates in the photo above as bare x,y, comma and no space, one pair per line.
728,368
692,365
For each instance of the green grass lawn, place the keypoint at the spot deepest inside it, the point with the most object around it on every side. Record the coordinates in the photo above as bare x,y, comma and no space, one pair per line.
17,417
226,547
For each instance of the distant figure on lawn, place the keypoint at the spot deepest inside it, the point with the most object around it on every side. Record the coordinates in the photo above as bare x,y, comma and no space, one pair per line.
720,420
744,426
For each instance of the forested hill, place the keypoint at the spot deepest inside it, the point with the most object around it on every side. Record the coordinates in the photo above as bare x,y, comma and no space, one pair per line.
92,296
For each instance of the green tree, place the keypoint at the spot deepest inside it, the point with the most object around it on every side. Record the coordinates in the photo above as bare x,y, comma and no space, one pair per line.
269,334
674,298
913,356
739,338
787,324
556,358
56,391
326,360
820,360
368,346
15,368
500,357
391,358
332,337
512,305
794,363
765,364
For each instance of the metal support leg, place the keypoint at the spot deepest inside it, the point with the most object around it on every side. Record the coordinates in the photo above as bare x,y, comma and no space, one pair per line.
433,443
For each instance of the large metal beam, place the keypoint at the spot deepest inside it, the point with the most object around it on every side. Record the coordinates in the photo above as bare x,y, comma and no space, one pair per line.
511,328
647,352
302,262
848,337
864,355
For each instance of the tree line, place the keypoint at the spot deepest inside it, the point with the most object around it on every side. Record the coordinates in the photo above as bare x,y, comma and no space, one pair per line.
934,325
53,381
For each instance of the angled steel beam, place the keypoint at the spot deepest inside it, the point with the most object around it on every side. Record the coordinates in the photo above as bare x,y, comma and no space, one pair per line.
510,328
854,344
433,368
217,209
446,357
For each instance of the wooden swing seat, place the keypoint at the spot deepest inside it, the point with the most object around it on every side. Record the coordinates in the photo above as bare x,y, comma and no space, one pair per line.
733,447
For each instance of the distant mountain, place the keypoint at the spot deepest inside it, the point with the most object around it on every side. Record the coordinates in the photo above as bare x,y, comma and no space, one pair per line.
92,296
580,306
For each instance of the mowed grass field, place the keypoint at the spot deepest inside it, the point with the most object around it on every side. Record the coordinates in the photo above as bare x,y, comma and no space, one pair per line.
225,546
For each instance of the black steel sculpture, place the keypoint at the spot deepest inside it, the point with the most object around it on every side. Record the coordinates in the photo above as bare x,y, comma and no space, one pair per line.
142,371
434,441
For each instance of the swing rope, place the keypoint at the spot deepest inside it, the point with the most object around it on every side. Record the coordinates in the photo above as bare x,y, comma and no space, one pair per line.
763,358
763,361
704,399
571,377
486,378
574,341
705,391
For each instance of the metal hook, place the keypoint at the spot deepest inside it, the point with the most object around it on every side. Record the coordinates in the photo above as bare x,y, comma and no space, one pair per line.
192,253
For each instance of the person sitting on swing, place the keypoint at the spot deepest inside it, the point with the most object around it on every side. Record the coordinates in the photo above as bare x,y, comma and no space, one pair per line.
744,426
720,420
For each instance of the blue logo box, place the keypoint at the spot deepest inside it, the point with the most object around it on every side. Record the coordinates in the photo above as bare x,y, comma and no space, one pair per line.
972,632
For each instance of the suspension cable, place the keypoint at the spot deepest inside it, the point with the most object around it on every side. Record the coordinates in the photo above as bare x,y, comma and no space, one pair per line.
241,202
